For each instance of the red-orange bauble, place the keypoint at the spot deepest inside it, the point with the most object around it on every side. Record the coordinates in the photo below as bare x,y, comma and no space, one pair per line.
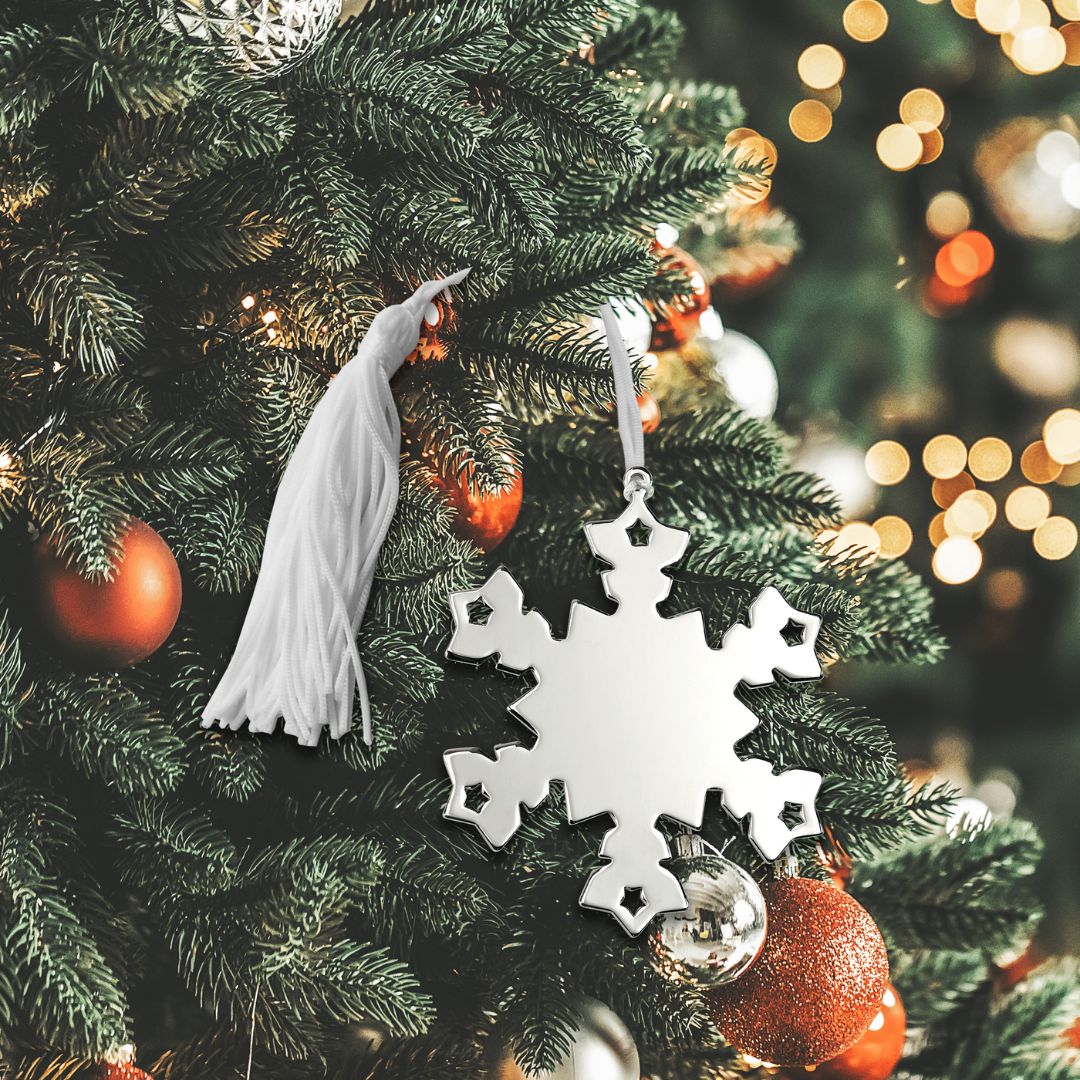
123,1071
439,321
817,983
104,625
485,519
650,412
678,322
876,1054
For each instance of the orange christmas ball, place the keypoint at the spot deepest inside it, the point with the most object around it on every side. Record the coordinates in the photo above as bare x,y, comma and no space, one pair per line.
439,321
817,983
650,412
123,1071
485,519
876,1054
103,625
678,322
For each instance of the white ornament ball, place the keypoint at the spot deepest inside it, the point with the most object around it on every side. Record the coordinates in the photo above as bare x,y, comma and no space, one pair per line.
746,371
722,928
635,324
843,467
603,1049
260,37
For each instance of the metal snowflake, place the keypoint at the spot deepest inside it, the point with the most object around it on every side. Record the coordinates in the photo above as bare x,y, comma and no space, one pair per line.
635,714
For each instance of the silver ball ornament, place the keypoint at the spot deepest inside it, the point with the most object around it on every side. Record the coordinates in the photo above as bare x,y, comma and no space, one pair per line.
720,932
745,370
261,38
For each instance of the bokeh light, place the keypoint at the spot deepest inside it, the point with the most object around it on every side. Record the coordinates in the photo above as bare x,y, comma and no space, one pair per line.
936,530
1038,49
1005,589
965,257
1055,538
957,559
997,16
946,491
895,535
1027,508
922,109
971,514
947,214
1037,465
887,462
821,66
1038,357
1061,436
810,120
989,459
944,456
856,537
865,20
899,147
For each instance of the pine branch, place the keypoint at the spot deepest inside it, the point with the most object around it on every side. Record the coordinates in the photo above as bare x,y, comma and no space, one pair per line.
647,42
28,81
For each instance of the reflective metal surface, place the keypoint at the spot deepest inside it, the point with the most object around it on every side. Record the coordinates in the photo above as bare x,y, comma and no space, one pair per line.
635,713
719,933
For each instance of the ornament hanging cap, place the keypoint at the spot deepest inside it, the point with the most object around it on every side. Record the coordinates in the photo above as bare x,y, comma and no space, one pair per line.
296,659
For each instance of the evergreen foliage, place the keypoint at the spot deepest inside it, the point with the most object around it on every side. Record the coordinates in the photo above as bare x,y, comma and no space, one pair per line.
203,892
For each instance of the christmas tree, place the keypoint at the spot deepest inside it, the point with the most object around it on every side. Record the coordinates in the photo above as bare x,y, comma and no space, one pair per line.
203,209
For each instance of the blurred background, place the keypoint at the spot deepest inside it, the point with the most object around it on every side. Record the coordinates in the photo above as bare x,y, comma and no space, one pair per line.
913,277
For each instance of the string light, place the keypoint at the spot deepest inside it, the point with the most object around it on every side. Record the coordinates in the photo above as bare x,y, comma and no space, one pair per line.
957,559
269,317
1037,465
894,534
248,302
666,235
1055,538
865,20
1061,436
1027,508
947,214
946,491
887,462
810,121
821,66
944,456
899,147
990,459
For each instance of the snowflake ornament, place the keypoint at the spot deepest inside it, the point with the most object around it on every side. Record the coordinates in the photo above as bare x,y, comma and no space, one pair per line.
635,713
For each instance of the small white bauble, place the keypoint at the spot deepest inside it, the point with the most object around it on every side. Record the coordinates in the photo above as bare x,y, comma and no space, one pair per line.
746,371
603,1049
843,467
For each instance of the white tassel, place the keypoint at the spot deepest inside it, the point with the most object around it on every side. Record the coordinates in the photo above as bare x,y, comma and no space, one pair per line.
297,659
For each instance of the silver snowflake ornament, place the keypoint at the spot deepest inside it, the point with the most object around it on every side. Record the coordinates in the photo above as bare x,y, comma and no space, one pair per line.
635,713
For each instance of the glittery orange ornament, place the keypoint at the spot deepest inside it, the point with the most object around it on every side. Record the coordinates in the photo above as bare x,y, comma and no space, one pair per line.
817,983
678,322
876,1054
439,321
485,519
122,1071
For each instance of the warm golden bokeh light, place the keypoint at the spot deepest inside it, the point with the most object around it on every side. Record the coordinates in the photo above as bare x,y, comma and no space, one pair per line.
957,560
1055,538
1071,33
821,66
1027,508
1061,435
1005,590
970,515
856,536
895,535
966,8
947,214
1037,465
997,16
899,147
990,459
922,109
887,462
936,530
810,121
1069,10
865,20
1070,476
1038,49
964,258
1032,13
933,144
944,456
946,492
